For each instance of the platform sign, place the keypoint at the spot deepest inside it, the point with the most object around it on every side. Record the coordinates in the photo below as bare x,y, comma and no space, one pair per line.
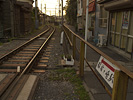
106,70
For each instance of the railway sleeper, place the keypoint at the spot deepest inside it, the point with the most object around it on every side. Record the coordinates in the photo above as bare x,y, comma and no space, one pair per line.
12,66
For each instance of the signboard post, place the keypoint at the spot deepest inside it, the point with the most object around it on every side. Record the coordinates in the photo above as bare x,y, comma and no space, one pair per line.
106,70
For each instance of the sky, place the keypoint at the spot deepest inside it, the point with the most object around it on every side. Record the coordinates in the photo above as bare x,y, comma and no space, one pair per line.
50,6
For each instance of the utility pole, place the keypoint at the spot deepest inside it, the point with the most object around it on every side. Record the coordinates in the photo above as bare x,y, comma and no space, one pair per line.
36,18
59,9
41,7
45,13
12,18
41,13
55,11
86,27
62,13
45,8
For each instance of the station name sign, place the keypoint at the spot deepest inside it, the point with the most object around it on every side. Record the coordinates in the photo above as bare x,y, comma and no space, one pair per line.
106,69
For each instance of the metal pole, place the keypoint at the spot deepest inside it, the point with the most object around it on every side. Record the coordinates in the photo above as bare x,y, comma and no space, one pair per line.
86,27
36,19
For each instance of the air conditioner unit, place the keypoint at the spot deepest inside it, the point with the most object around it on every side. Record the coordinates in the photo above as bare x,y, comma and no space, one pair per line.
101,40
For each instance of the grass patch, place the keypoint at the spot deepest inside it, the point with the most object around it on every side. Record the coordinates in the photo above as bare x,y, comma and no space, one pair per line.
11,39
1,43
69,74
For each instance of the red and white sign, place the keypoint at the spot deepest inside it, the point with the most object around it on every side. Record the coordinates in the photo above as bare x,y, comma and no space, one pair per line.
106,70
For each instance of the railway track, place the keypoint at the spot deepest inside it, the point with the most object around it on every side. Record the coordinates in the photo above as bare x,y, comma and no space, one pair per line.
28,57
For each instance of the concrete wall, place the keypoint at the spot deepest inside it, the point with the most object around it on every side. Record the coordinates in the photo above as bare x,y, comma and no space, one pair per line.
5,18
15,18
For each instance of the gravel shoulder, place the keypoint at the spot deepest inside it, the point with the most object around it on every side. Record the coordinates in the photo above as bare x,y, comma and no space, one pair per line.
9,46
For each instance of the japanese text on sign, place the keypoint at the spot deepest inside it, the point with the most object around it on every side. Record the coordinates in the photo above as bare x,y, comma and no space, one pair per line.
106,70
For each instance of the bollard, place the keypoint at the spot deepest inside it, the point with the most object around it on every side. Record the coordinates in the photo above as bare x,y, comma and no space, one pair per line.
61,40
18,69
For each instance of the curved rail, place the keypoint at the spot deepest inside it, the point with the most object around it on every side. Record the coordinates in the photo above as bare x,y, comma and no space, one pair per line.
21,46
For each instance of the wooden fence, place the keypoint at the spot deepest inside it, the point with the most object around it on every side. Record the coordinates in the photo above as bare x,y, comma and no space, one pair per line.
120,82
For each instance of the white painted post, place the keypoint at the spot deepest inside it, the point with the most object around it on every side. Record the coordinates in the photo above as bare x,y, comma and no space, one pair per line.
18,69
86,27
61,40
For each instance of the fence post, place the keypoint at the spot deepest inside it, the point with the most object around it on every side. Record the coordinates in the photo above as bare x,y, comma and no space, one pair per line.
74,46
120,86
82,51
70,36
68,33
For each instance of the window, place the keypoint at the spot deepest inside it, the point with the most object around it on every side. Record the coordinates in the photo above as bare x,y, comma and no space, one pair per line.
103,17
121,31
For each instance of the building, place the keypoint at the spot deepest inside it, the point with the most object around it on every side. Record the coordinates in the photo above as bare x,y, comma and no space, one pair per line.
120,25
23,14
15,17
111,19
101,19
5,18
91,18
81,12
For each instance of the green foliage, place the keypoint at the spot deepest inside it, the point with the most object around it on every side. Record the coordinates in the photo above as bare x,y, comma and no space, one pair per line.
71,11
69,74
10,39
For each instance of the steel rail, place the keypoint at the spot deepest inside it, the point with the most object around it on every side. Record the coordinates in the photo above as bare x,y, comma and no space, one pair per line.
26,69
122,68
21,46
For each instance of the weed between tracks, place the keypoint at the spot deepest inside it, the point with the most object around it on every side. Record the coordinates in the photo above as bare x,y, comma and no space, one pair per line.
69,74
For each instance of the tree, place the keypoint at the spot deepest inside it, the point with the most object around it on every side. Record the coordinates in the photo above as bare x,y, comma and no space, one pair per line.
71,12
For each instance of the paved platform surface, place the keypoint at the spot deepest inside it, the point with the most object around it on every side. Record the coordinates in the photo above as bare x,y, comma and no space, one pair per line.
95,89
25,93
